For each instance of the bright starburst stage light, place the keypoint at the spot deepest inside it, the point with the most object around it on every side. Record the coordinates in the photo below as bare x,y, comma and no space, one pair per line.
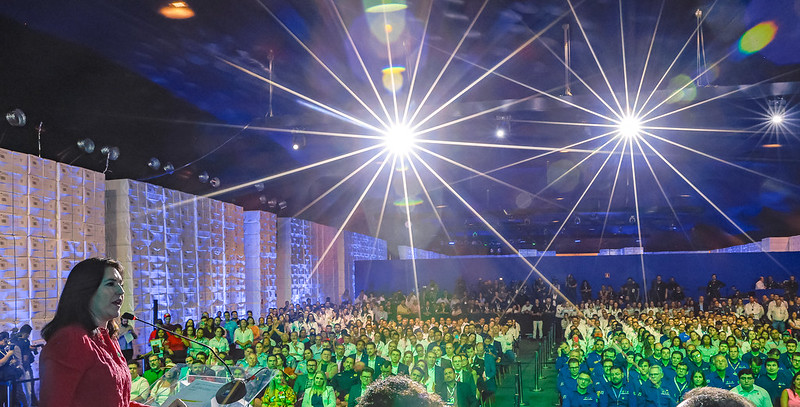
630,126
631,121
400,139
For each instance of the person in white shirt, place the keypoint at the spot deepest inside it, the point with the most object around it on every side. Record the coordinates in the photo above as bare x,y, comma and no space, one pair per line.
754,309
760,284
778,313
243,335
140,388
219,342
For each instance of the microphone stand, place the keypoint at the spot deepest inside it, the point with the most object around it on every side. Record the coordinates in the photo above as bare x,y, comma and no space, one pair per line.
230,392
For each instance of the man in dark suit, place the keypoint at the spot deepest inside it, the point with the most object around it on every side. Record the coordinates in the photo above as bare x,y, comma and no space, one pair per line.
454,393
358,389
464,373
397,367
372,360
345,379
435,373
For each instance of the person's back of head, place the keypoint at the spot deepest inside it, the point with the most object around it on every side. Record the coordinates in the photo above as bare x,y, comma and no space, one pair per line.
398,391
713,397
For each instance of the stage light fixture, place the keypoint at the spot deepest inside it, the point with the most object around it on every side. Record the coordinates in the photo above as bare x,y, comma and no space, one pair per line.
259,187
272,203
16,118
777,118
86,145
629,127
399,139
177,10
203,177
154,163
503,127
112,153
215,182
262,199
384,6
298,142
169,168
282,205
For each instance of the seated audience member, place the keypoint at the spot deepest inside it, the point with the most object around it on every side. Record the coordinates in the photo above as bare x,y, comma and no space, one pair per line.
398,391
713,397
747,389
358,389
455,393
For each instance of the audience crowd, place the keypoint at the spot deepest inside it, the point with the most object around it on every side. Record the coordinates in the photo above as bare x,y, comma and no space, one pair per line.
328,354
618,351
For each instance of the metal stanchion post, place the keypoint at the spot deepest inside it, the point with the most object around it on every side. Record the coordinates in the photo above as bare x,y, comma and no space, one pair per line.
517,388
537,369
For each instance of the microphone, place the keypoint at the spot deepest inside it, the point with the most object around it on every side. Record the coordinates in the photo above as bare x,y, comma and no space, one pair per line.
230,392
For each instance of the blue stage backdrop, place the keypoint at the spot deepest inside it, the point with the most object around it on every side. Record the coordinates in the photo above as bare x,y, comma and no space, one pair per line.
691,270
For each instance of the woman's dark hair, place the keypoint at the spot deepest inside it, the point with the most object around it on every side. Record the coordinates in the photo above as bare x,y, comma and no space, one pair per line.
73,306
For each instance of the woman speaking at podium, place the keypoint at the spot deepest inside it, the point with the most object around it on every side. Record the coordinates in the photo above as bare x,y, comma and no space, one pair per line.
81,364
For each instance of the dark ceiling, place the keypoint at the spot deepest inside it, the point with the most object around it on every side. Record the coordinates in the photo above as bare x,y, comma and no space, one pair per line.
192,92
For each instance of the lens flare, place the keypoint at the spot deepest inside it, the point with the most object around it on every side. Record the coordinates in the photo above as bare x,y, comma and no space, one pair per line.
758,37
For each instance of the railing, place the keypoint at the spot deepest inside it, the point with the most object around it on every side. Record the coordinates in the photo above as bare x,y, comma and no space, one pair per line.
9,386
544,355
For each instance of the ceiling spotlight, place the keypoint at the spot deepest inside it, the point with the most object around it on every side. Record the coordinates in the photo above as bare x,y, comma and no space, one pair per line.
259,186
154,163
262,199
111,152
203,177
86,145
298,141
503,127
777,118
16,118
632,220
169,168
282,205
215,182
272,203
177,10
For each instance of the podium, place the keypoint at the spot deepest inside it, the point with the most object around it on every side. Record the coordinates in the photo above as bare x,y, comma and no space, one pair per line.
197,385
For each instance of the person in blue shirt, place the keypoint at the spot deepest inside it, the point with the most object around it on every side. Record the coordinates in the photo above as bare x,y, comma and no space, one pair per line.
680,384
734,362
674,360
600,376
773,380
785,360
595,357
581,395
654,393
723,377
568,382
617,392
755,351
696,363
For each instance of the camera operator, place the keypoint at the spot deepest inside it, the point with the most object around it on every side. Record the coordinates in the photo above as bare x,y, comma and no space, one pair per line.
22,341
11,369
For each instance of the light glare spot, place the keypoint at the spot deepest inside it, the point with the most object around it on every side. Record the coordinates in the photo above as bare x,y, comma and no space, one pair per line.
629,126
400,139
758,37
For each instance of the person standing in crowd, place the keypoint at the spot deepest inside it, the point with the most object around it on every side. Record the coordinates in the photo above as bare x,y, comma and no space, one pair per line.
714,287
571,288
778,313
